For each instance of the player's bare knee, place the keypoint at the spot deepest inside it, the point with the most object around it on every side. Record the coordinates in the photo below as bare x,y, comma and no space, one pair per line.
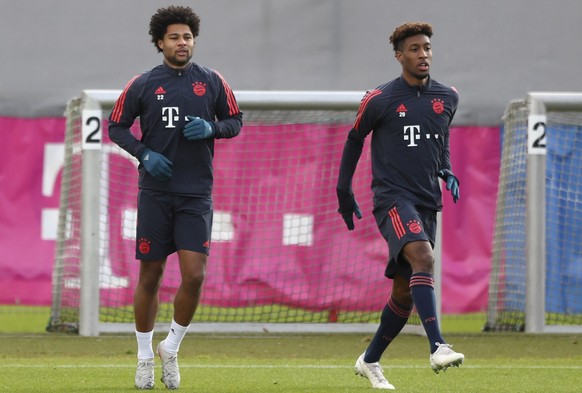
150,279
194,280
422,262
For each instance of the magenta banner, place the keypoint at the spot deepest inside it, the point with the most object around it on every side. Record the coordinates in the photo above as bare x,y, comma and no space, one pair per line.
276,234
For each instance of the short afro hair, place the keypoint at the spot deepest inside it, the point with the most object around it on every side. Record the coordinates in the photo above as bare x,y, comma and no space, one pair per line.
408,30
170,16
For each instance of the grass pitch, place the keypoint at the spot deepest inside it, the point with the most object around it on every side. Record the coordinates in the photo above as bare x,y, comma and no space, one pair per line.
318,363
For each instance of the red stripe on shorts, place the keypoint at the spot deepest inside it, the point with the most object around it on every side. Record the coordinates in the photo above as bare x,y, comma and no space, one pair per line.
396,222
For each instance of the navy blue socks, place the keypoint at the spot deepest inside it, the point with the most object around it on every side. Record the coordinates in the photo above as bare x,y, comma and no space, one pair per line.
394,317
422,290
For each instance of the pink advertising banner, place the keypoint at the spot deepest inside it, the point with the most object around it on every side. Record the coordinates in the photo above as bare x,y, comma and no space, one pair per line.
249,266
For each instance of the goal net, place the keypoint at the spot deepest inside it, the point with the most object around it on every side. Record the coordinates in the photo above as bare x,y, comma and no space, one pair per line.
536,277
281,258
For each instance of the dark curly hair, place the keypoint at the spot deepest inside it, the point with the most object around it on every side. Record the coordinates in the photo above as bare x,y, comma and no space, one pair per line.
408,30
169,16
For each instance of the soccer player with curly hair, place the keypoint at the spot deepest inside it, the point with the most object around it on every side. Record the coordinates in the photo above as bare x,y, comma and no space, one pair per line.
183,108
409,119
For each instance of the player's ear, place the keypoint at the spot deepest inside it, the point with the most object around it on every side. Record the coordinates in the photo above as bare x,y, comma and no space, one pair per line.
398,56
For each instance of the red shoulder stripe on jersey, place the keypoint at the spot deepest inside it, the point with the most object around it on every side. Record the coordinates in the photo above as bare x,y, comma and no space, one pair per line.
118,108
232,105
369,95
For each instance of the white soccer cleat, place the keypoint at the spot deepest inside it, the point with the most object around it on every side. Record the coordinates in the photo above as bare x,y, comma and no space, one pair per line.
372,371
444,357
170,370
144,375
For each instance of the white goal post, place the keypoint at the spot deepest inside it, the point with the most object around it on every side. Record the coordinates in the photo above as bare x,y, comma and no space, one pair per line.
539,104
519,286
83,271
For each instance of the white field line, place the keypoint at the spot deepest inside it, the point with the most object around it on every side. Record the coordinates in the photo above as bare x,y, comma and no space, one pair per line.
313,366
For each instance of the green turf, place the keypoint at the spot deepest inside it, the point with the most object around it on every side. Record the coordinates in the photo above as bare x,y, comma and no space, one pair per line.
321,363
23,319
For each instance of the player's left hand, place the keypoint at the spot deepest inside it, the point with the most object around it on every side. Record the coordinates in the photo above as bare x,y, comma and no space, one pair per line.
197,129
452,183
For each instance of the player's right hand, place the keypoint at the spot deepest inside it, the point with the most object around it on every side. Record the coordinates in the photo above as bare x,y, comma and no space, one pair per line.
348,207
157,165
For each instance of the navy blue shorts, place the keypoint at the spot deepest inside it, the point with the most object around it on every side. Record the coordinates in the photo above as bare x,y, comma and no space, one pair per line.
400,224
168,222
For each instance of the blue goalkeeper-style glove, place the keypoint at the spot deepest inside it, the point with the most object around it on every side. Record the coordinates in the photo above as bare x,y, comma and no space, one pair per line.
348,207
157,165
197,129
452,183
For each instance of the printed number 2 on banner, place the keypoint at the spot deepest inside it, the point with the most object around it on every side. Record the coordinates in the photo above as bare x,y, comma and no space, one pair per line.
91,129
536,134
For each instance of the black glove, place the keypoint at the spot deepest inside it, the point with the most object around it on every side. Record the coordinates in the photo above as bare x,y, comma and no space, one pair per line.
452,183
348,207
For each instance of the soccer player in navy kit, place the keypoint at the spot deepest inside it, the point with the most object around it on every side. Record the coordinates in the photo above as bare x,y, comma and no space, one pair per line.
409,119
182,108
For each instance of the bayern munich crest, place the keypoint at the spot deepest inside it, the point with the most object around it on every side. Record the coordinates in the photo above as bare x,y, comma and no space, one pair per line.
199,88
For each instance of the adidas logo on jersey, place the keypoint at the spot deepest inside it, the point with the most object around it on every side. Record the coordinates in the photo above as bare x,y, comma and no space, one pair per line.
160,93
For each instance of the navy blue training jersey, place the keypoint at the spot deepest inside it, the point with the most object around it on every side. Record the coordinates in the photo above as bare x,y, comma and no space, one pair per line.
162,98
410,141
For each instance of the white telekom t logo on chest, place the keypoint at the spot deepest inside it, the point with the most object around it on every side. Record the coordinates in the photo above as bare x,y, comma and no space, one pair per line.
170,114
411,134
